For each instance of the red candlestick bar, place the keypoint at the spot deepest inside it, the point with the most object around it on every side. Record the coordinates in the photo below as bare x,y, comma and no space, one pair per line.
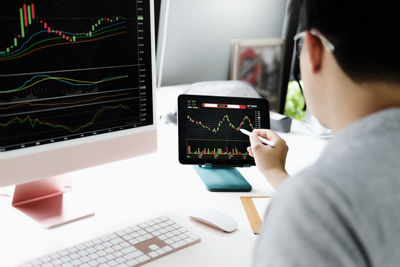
25,16
33,11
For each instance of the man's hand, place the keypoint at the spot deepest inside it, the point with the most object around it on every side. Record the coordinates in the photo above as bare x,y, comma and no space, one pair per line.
269,160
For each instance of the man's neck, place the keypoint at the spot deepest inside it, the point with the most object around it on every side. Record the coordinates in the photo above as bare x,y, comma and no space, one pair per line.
363,100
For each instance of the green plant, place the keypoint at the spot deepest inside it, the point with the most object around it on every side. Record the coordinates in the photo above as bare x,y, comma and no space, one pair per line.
295,102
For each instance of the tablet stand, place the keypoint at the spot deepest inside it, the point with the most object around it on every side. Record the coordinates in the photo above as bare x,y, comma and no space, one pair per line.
222,179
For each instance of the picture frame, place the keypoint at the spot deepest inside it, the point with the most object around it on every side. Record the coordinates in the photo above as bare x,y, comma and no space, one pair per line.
259,63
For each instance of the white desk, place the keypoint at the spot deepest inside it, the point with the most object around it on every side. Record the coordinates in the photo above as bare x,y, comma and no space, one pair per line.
129,192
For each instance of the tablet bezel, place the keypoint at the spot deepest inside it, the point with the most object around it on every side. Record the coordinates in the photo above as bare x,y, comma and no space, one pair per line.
182,102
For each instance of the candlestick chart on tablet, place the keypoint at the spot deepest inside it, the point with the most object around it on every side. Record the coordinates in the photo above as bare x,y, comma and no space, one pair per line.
212,127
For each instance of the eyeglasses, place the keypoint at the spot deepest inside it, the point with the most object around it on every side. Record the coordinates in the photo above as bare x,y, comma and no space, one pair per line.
299,41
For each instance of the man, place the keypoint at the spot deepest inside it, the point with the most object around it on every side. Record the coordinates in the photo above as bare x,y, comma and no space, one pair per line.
345,209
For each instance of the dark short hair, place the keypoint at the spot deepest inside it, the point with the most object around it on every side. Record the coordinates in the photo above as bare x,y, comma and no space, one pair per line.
366,35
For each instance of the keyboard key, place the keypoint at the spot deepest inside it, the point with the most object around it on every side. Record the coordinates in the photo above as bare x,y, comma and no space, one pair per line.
188,240
112,263
76,262
160,251
134,241
63,252
110,257
167,248
97,241
117,247
143,225
65,259
120,260
154,247
85,259
83,253
101,253
153,254
169,241
124,245
101,259
143,258
132,262
57,262
182,236
128,250
178,244
93,263
107,244
163,219
135,228
116,241
74,255
122,232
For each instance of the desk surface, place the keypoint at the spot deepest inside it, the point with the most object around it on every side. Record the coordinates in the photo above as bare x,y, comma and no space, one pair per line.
132,191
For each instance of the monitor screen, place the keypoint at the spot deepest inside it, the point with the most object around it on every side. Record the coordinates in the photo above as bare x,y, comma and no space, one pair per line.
209,128
74,73
71,69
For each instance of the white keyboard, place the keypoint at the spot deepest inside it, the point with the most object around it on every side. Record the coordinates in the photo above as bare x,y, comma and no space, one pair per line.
132,246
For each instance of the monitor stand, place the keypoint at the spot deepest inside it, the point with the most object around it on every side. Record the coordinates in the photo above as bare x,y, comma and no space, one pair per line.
223,179
50,202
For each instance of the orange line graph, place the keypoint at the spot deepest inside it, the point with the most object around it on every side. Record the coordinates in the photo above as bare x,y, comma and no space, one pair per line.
61,103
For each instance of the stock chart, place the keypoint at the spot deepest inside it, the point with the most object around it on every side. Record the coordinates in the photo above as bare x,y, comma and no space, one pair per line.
213,129
71,69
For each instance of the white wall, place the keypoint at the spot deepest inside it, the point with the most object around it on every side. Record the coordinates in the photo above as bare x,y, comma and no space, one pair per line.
199,32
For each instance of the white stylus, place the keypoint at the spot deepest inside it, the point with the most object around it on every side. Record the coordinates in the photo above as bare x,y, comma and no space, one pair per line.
265,141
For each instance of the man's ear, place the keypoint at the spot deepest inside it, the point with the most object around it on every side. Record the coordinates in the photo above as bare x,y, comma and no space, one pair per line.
315,50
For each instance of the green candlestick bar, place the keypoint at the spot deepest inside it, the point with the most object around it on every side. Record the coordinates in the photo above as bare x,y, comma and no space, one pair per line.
15,42
21,16
29,15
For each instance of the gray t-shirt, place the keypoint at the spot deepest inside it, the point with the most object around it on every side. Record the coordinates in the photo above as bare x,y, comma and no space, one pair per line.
345,209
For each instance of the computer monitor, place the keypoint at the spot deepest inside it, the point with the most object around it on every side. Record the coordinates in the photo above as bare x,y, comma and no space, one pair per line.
76,91
290,27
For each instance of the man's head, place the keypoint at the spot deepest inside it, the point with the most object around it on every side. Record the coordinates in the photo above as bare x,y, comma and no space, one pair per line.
365,36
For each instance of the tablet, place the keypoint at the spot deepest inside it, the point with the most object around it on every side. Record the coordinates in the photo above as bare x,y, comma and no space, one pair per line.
209,129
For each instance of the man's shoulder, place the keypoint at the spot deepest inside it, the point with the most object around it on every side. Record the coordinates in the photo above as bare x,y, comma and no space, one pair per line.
316,220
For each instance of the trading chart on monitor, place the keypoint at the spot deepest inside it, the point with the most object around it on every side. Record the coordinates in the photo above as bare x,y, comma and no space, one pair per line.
213,127
71,69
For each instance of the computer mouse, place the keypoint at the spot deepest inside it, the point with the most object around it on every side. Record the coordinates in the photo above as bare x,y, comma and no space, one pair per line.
215,219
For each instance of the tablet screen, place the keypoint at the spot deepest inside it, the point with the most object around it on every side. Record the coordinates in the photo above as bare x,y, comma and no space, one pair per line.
209,128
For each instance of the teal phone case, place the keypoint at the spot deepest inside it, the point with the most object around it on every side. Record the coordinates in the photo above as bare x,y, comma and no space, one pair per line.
223,179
